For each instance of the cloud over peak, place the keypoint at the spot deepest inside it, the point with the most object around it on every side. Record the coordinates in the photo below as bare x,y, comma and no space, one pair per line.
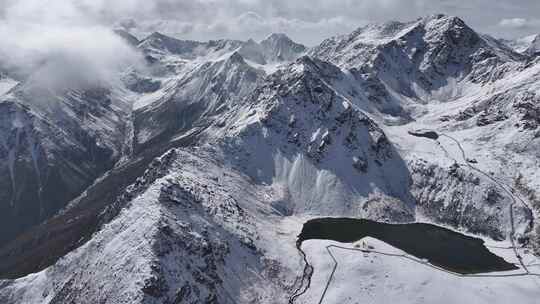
57,35
59,44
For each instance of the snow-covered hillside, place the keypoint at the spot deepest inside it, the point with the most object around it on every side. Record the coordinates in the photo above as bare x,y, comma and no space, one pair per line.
534,48
54,144
479,92
414,59
529,45
388,275
229,146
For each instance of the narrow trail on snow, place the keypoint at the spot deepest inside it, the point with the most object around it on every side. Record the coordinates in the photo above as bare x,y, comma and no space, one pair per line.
410,258
503,186
308,268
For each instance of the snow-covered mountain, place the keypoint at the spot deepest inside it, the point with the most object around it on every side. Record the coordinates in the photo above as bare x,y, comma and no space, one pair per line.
279,47
529,45
190,181
534,48
416,58
54,145
276,48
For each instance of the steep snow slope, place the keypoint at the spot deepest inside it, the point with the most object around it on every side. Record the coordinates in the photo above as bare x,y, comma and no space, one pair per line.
207,79
295,130
190,235
278,48
534,48
159,44
6,84
519,45
414,59
529,45
194,99
53,145
66,138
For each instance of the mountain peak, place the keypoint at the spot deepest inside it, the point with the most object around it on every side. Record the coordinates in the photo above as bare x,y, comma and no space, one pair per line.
307,66
440,16
435,47
236,58
162,43
279,47
156,35
277,37
127,37
445,22
534,47
377,33
449,29
382,33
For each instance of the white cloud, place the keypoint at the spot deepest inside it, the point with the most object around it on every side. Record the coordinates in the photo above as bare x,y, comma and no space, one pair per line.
249,24
519,23
32,31
60,44
310,21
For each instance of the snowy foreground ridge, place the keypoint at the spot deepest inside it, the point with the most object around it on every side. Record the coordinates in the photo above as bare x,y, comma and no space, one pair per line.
190,180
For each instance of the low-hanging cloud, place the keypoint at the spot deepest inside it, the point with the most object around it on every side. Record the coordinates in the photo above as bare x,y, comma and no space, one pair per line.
58,44
308,21
72,41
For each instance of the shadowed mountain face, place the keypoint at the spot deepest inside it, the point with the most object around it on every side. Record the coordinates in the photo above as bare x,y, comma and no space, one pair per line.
53,146
195,100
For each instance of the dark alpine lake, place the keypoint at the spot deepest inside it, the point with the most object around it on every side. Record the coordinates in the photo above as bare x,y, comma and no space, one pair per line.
442,247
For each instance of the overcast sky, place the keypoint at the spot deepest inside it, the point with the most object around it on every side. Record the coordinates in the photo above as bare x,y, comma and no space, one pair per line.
307,21
70,41
310,21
